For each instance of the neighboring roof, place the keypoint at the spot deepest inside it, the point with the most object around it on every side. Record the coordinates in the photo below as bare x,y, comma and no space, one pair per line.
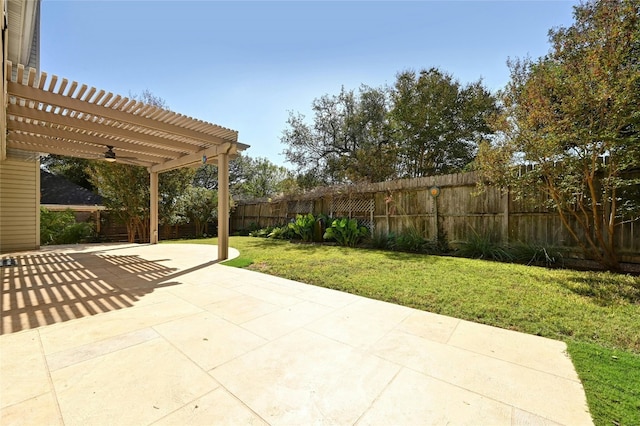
58,190
60,117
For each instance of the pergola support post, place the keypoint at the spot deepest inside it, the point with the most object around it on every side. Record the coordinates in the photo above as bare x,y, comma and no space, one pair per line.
223,206
153,208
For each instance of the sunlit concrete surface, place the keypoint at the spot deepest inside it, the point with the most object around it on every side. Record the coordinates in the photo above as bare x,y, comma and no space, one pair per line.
132,334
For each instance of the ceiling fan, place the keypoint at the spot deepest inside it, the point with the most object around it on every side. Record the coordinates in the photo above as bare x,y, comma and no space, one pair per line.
110,156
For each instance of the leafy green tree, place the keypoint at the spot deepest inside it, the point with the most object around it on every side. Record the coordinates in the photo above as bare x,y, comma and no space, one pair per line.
573,116
199,205
437,122
206,175
248,178
261,178
347,140
125,192
72,169
171,186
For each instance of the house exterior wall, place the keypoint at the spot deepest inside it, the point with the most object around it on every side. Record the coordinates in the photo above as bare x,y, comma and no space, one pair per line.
19,171
4,52
19,202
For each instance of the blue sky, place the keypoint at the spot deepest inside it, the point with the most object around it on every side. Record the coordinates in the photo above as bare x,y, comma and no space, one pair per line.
244,65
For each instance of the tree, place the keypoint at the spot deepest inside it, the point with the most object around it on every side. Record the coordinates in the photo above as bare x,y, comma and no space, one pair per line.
72,169
346,142
248,177
171,185
199,205
125,192
573,115
260,178
206,175
437,122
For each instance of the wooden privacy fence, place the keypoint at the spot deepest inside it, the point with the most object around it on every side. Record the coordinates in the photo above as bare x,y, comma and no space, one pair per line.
457,213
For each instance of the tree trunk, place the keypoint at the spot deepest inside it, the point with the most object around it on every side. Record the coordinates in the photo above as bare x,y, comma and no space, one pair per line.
131,231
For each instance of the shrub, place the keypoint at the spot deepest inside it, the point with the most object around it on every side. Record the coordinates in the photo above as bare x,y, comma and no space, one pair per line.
346,232
410,240
304,226
483,246
281,233
248,230
534,254
262,233
80,232
62,228
380,240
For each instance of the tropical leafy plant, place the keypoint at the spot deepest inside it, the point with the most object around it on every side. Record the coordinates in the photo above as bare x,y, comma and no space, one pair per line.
262,232
281,233
303,226
346,232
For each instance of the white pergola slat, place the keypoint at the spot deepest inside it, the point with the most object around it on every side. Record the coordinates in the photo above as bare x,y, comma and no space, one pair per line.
52,115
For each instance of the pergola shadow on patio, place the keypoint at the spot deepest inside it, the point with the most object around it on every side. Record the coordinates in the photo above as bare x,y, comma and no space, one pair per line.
186,341
54,286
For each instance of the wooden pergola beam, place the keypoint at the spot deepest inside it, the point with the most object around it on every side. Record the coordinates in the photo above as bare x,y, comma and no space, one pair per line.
49,98
88,143
196,157
116,134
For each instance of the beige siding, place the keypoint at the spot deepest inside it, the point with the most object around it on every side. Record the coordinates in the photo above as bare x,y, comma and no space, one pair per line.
19,203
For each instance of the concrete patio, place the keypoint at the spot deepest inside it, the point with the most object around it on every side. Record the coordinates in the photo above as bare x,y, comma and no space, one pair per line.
158,334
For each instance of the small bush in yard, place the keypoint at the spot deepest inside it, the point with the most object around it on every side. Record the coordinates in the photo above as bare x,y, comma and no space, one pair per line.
281,233
346,232
532,254
62,228
484,247
304,226
410,240
262,233
381,240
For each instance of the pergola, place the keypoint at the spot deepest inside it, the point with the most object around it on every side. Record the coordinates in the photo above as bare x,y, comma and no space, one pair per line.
51,115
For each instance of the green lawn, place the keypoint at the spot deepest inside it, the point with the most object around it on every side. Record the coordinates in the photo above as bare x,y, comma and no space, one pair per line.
596,313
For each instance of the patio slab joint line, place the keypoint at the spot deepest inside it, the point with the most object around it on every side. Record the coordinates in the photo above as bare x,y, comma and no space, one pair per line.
379,394
50,379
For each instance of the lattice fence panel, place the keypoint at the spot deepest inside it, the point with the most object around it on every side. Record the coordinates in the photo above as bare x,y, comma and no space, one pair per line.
356,208
299,207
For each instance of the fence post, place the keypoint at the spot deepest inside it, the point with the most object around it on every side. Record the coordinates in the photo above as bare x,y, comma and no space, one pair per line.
372,207
388,220
259,211
434,191
505,215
